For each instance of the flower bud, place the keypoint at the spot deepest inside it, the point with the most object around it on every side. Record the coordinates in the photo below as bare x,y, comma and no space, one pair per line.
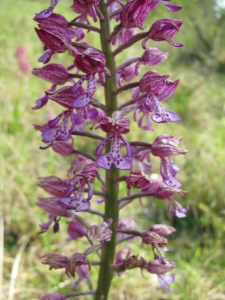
54,73
166,145
100,233
153,238
162,229
53,296
164,30
90,61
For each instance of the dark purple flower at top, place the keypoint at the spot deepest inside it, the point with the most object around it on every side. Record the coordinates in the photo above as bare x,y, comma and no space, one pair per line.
135,12
164,30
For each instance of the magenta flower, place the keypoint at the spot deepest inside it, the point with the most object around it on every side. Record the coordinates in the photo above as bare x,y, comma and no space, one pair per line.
63,148
164,147
75,96
53,185
137,179
83,272
158,88
100,232
55,261
123,36
78,259
90,61
85,8
160,268
54,73
162,229
117,125
21,55
164,30
54,38
125,74
135,12
125,224
61,132
84,173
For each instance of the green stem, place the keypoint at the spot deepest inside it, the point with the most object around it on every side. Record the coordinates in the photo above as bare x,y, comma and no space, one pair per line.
111,203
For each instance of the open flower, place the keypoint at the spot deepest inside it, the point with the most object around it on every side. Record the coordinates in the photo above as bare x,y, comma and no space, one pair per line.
117,125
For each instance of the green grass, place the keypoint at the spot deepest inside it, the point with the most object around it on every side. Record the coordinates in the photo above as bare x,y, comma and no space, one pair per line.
198,244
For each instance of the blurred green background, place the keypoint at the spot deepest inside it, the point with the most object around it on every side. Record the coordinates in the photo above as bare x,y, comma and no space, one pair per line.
198,245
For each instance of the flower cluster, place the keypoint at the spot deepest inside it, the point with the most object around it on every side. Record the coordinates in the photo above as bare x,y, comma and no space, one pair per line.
73,89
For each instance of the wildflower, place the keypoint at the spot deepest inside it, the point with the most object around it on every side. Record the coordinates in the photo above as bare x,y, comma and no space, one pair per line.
47,12
164,147
54,73
117,125
135,12
84,173
100,233
75,230
164,30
